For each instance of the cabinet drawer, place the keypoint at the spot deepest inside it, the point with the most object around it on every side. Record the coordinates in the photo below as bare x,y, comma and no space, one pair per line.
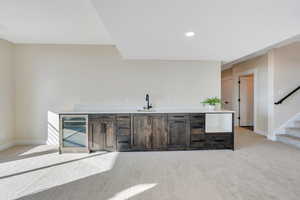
197,131
198,138
178,116
123,118
198,145
102,117
197,117
198,141
123,139
123,146
219,139
197,126
123,124
198,123
123,143
123,131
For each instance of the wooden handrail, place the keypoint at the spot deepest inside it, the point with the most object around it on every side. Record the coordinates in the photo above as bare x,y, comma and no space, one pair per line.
287,96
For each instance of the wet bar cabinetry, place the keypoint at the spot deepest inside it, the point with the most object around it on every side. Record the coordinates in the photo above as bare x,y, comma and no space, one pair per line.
149,132
178,132
197,131
123,132
146,131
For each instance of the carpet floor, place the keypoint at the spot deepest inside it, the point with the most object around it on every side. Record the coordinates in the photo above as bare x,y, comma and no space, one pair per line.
258,169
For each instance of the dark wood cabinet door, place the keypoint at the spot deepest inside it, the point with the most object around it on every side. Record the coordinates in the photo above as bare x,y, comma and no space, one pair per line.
96,137
178,133
109,136
159,132
102,134
142,131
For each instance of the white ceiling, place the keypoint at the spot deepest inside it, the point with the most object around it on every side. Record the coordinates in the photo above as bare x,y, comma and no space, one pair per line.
225,30
51,21
154,29
261,52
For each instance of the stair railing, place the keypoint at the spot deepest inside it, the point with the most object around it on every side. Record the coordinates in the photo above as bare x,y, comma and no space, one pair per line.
287,96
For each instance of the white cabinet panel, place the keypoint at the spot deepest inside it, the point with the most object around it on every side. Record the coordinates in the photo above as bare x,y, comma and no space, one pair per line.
218,123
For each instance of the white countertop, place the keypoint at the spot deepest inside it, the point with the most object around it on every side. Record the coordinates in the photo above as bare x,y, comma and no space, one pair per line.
134,111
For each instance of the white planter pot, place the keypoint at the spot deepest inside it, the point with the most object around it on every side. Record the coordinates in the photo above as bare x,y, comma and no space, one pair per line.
211,107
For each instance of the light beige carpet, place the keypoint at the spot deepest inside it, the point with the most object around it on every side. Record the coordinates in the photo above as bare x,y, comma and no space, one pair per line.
259,169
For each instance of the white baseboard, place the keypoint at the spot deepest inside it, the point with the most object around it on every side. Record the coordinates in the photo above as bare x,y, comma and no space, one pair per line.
260,132
280,131
6,145
273,138
30,142
21,142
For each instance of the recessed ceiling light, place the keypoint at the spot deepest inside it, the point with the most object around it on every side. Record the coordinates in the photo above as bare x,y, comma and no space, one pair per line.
189,34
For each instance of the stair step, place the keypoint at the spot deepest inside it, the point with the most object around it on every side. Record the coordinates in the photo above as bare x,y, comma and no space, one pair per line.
297,122
289,139
293,131
293,127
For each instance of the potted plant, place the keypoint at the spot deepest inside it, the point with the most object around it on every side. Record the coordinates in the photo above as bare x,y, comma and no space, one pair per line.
212,102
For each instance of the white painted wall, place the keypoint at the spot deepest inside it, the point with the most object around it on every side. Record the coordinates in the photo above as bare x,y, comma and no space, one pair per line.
57,77
286,78
7,95
258,66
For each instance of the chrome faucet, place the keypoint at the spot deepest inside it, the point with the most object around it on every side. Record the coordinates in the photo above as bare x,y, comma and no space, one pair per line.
149,106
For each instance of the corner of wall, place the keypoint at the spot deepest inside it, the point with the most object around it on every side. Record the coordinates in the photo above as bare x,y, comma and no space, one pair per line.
260,132
7,145
15,90
8,49
271,134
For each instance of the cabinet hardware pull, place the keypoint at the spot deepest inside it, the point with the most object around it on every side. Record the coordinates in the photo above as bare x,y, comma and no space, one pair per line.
198,140
121,127
197,127
179,121
219,140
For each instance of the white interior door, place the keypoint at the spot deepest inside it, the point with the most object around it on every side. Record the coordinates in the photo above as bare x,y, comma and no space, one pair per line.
227,94
246,100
